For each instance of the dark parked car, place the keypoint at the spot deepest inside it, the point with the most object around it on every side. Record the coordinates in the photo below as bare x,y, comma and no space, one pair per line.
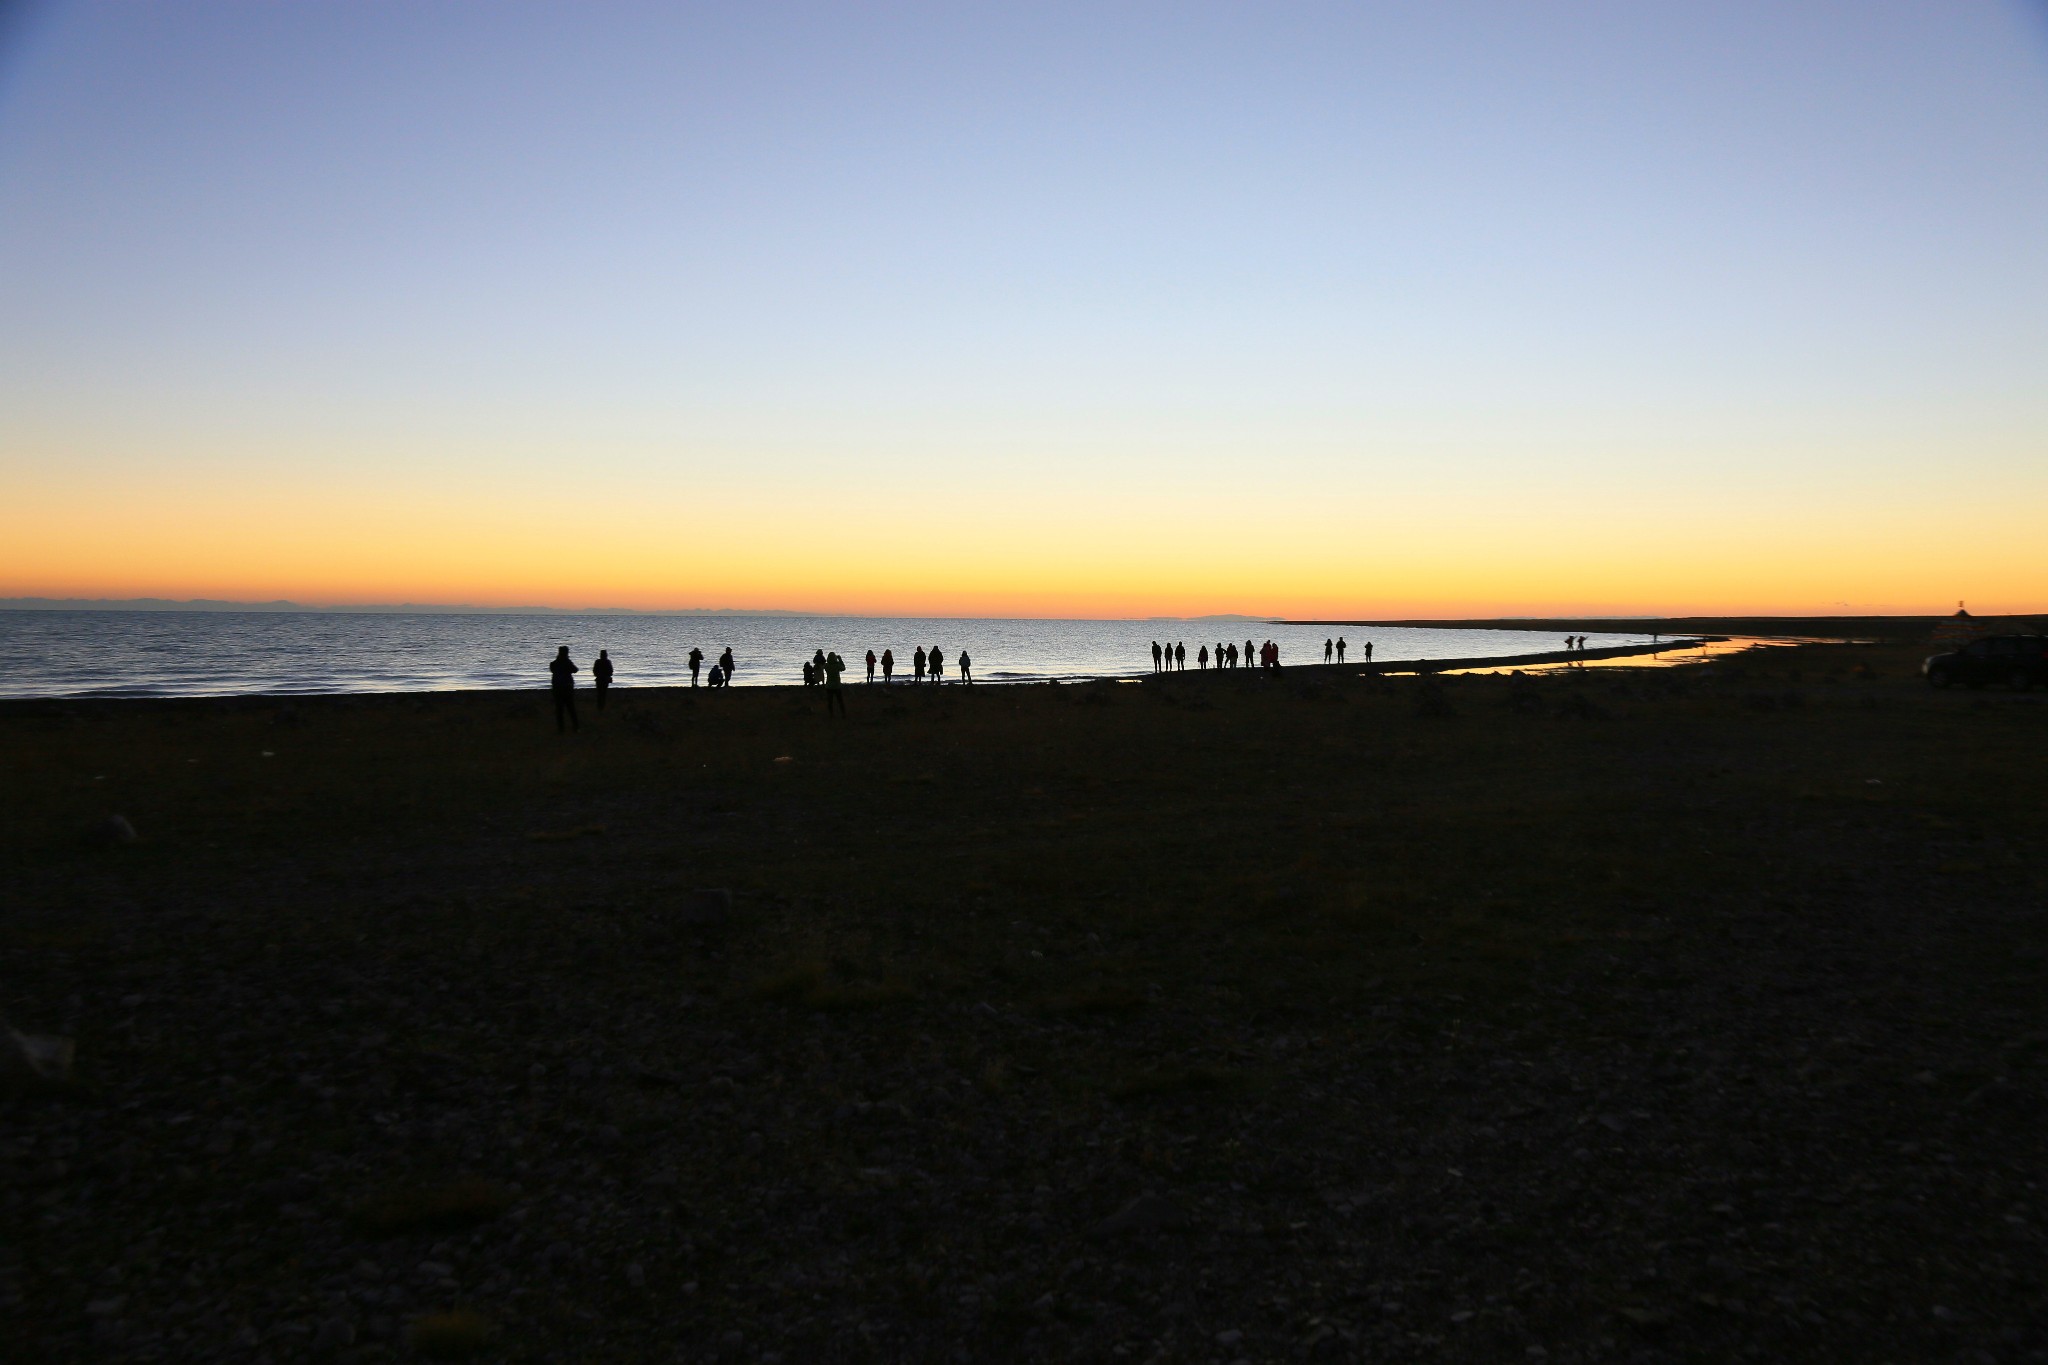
2017,661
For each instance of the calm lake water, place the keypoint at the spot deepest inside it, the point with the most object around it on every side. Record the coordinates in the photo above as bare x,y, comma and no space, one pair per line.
220,653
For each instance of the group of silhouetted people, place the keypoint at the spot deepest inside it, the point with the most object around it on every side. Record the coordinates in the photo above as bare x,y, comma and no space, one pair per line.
926,665
1173,658
821,669
562,671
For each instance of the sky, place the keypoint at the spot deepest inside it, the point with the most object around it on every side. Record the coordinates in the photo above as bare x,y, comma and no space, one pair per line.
1340,310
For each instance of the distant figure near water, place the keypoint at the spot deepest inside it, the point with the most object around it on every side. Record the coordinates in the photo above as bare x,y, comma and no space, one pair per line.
1368,651
1202,659
1329,648
1180,657
966,668
871,665
1155,657
1340,649
601,674
1248,654
725,664
696,662
834,666
562,673
917,665
888,666
935,664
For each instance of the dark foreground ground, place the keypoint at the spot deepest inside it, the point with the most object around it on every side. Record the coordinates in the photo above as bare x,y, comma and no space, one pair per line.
1631,1015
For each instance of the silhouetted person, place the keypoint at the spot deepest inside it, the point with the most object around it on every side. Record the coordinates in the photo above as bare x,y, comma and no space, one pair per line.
888,666
696,662
717,678
1368,651
562,673
1340,649
1180,657
966,668
1248,654
725,664
935,664
1155,657
834,666
601,674
871,665
1329,648
810,673
917,665
818,665
1202,658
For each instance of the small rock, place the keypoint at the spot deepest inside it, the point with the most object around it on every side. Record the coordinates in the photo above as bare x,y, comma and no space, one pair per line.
33,1060
115,829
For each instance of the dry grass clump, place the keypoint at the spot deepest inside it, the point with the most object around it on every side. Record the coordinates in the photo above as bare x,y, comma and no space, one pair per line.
452,1207
451,1335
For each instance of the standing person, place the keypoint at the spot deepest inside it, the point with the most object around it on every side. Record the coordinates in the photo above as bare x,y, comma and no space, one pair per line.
966,668
871,665
935,664
888,666
834,666
810,674
725,664
1155,657
1329,648
917,665
1340,649
1368,651
601,674
818,665
1202,659
562,673
696,662
1248,654
1180,656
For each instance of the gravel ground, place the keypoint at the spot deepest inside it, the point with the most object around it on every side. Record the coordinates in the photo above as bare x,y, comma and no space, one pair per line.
1782,1101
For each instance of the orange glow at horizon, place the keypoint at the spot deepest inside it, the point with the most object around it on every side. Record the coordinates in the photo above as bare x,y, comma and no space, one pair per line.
849,553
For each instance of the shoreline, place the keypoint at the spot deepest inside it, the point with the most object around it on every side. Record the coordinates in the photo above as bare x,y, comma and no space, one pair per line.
1390,667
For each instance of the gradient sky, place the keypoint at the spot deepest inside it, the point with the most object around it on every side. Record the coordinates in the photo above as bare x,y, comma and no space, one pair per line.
1092,309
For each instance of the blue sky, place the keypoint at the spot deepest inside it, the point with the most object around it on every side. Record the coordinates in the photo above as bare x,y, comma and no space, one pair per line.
1005,281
